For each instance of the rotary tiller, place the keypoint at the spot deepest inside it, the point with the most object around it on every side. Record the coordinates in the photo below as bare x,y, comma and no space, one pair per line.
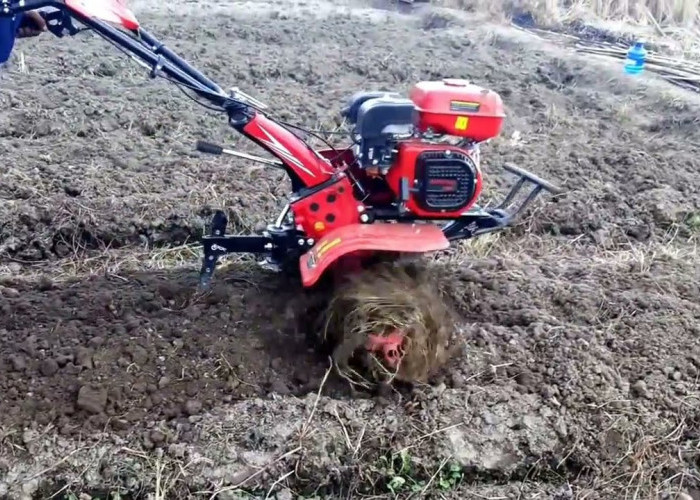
408,181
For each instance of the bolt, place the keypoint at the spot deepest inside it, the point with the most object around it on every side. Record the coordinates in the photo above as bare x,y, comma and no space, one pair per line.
268,246
364,217
301,242
310,242
360,208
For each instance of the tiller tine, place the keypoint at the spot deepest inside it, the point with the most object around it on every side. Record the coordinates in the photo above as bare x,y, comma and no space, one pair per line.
389,348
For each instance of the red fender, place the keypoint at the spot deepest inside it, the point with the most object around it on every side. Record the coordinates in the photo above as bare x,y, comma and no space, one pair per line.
376,237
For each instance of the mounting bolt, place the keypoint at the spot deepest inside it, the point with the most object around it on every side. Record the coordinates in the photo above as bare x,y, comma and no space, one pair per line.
301,242
310,242
268,246
360,208
364,217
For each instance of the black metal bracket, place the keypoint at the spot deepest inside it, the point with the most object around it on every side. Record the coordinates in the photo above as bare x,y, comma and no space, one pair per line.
280,243
475,224
526,176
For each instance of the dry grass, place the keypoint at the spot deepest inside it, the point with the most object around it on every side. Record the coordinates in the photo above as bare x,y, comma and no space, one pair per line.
671,24
680,12
663,12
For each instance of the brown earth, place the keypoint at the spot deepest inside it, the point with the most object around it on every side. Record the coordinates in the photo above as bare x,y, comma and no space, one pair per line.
578,372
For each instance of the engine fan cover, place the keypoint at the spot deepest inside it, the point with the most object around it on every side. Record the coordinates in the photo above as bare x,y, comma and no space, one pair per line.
443,181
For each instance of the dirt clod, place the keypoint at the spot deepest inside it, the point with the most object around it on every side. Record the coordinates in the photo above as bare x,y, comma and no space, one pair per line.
193,407
92,400
49,367
138,354
157,437
640,388
18,362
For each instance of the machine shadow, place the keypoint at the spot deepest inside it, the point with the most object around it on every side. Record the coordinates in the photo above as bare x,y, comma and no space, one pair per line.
113,350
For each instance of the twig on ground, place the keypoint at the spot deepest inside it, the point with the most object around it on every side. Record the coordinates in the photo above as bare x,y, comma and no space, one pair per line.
306,425
430,434
262,469
278,481
432,478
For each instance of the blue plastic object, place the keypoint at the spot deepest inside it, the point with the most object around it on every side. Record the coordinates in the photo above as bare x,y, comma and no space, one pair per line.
636,58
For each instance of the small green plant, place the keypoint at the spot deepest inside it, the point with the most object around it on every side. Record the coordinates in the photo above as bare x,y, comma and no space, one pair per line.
450,477
401,474
398,472
693,222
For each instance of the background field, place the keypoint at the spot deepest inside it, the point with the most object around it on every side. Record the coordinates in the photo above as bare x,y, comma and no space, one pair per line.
581,326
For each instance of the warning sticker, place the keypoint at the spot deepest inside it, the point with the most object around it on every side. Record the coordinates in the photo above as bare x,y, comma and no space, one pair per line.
461,123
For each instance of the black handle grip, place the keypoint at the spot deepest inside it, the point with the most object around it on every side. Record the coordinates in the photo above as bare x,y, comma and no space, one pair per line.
58,21
208,147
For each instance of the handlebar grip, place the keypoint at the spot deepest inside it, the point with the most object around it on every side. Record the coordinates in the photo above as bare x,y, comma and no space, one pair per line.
57,21
55,15
208,147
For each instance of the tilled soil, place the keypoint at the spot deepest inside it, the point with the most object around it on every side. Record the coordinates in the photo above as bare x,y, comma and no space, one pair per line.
580,355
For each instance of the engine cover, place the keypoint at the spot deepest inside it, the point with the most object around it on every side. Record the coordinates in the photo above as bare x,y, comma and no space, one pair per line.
435,181
458,108
379,122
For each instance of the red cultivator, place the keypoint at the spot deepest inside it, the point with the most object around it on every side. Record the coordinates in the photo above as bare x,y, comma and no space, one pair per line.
407,183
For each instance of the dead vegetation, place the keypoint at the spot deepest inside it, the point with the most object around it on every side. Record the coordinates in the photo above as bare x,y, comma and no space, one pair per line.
672,27
386,300
680,13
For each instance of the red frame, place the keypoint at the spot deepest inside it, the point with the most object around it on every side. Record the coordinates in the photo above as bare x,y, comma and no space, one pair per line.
306,165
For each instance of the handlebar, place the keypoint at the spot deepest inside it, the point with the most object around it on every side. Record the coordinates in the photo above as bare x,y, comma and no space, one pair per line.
11,8
142,46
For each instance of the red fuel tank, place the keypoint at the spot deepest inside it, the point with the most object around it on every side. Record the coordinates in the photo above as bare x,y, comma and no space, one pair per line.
458,108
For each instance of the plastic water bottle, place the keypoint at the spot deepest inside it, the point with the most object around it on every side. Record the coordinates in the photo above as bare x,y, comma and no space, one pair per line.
636,57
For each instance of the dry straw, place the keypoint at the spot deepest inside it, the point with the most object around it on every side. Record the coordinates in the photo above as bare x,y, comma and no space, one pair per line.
669,12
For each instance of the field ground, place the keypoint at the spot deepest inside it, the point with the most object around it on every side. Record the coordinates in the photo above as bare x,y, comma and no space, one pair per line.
580,361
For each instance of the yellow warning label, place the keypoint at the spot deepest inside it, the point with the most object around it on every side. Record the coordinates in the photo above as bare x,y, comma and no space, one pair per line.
462,123
327,246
